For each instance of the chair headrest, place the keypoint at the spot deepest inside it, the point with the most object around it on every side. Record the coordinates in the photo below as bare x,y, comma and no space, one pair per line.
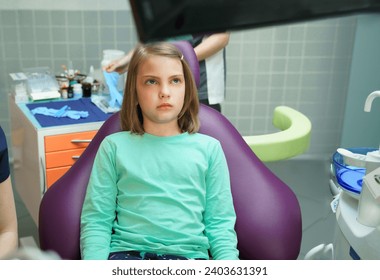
188,53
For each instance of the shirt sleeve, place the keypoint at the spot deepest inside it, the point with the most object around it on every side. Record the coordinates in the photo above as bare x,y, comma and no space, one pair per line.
98,212
4,160
220,214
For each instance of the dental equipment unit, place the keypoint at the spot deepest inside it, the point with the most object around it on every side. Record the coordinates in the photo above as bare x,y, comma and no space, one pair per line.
356,185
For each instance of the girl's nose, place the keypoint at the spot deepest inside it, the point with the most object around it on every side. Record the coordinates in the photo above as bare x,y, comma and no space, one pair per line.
164,91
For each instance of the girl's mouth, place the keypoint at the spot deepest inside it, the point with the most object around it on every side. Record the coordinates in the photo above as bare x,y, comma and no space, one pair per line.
165,106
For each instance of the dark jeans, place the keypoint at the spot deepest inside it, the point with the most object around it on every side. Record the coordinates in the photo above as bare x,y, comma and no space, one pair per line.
136,255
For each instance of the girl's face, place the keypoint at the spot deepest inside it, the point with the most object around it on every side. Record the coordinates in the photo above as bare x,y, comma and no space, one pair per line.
160,86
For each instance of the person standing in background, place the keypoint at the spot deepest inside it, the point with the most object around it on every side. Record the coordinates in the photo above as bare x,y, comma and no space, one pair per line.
211,54
8,217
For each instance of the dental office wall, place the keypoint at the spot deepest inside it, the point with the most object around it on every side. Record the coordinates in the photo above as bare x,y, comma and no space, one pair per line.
307,66
362,129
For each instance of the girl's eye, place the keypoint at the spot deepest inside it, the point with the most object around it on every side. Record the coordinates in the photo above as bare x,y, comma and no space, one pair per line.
176,81
150,82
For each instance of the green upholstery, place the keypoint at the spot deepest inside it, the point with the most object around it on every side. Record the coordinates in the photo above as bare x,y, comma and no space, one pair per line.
292,140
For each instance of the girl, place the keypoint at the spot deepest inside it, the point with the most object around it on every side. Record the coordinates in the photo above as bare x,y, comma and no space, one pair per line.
159,189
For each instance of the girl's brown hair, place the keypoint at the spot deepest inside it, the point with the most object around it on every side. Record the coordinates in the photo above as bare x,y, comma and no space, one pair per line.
130,113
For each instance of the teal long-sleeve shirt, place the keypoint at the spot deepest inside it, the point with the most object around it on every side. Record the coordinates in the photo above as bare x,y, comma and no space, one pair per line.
166,195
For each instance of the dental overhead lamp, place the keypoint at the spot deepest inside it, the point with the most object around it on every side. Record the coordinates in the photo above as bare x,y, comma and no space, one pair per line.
168,18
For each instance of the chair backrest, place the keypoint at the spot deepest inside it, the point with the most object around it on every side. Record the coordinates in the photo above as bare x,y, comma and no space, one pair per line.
268,214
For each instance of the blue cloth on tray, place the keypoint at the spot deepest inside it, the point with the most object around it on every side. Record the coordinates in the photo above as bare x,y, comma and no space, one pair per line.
83,104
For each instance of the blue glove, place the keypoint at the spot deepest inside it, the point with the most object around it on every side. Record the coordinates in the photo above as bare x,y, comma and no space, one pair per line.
60,113
112,80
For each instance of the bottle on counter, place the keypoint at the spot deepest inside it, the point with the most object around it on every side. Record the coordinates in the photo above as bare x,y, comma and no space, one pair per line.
77,90
64,93
86,88
70,92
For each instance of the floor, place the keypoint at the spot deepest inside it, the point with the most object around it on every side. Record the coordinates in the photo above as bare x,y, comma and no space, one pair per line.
26,226
308,178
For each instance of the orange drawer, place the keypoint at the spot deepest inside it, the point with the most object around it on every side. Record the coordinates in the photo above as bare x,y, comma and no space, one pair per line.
62,158
54,174
68,141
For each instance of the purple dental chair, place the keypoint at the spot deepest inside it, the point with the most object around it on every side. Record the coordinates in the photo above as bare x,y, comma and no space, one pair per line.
268,222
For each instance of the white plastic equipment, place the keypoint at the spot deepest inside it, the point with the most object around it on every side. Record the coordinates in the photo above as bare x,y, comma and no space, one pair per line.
358,216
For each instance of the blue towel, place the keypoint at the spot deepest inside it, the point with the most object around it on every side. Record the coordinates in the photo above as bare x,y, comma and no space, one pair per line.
112,80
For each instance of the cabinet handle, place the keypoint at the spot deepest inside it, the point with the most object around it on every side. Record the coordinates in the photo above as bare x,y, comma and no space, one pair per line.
44,183
81,141
75,157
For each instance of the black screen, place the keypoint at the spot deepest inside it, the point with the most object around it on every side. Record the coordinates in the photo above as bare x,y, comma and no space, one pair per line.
158,19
